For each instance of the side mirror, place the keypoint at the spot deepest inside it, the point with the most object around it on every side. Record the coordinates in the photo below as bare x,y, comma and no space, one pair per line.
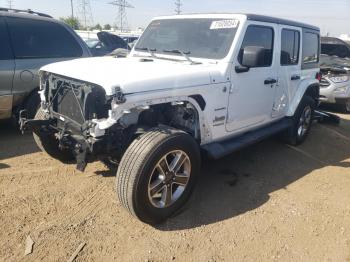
251,56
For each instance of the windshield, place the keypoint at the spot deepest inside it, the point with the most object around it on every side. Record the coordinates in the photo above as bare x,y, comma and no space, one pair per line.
91,43
199,38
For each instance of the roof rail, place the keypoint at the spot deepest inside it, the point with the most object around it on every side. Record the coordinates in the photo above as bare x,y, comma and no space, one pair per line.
28,11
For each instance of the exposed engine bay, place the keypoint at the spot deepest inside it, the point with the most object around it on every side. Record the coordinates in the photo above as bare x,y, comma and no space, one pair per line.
73,108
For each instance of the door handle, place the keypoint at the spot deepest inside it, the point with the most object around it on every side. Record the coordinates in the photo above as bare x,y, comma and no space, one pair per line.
295,77
270,81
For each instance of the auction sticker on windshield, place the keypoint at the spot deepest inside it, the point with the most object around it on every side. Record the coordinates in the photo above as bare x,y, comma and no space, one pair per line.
224,24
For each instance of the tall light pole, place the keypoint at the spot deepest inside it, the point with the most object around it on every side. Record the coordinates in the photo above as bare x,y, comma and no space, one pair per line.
122,17
72,7
10,3
178,5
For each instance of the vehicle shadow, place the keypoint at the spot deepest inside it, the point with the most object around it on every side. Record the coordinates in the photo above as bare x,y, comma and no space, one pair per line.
244,181
13,143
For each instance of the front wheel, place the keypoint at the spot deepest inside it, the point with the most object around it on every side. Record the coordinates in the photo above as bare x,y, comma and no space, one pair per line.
157,174
49,144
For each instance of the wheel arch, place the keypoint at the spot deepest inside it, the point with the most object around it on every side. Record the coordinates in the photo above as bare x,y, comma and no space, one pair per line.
192,101
310,88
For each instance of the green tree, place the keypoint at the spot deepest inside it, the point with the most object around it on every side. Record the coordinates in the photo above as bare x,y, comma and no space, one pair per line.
107,27
72,22
98,27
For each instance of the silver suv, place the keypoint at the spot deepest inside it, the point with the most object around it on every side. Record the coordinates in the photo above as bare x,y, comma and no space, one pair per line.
30,40
335,68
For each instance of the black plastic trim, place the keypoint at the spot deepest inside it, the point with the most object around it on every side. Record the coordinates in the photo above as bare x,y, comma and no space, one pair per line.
269,19
200,100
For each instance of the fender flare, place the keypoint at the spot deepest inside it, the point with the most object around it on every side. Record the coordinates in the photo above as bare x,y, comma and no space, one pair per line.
306,86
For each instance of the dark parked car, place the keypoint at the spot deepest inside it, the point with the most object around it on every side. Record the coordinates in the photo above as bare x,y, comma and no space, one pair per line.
106,44
28,41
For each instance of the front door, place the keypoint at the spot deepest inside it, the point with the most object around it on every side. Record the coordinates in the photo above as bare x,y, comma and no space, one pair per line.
252,93
7,67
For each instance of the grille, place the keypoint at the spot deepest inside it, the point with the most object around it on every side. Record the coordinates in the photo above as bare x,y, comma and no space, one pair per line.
77,101
70,105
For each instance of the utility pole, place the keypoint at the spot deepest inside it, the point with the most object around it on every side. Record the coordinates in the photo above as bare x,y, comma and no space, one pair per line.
10,3
178,5
72,7
86,13
122,16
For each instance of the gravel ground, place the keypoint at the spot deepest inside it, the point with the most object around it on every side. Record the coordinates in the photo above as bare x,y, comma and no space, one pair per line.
267,202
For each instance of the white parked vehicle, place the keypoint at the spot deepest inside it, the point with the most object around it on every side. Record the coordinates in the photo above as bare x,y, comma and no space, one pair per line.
208,83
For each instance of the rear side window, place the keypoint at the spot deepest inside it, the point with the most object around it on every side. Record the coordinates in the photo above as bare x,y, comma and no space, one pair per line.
259,36
5,47
41,39
290,47
311,46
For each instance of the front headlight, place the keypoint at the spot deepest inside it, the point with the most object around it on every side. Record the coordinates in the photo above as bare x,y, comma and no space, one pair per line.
339,79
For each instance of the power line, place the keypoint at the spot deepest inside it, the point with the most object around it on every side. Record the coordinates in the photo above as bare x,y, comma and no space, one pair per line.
86,13
122,16
178,5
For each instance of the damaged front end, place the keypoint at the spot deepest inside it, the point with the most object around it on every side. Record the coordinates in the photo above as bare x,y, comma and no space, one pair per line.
72,109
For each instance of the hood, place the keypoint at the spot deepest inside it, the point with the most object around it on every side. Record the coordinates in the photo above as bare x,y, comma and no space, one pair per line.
334,63
135,75
112,41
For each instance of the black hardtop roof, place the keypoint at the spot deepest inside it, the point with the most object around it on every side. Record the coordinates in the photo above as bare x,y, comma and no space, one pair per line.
275,20
333,41
25,13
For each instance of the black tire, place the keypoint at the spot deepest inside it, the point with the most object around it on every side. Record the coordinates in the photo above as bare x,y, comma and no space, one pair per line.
49,144
32,105
137,168
345,108
293,135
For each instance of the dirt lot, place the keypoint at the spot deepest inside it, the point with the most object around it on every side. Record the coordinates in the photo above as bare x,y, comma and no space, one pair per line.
267,202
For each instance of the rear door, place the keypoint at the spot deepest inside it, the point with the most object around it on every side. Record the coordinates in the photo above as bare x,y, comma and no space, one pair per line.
7,67
38,42
289,69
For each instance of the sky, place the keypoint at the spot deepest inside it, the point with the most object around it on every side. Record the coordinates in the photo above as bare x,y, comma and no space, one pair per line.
332,16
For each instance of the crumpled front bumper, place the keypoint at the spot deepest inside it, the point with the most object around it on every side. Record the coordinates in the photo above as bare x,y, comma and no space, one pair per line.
85,149
330,94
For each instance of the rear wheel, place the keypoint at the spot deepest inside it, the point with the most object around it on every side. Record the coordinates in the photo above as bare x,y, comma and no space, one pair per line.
49,144
301,121
157,174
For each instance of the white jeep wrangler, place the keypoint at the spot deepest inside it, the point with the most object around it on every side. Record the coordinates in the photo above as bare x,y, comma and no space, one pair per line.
193,84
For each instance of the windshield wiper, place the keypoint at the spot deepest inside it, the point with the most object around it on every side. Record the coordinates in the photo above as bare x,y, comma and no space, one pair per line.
149,50
184,54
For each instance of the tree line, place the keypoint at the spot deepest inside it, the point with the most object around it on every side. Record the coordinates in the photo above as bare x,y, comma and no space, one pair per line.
76,25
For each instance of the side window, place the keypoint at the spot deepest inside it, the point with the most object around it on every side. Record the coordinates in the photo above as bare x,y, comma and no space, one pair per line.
5,47
311,48
41,39
261,37
290,46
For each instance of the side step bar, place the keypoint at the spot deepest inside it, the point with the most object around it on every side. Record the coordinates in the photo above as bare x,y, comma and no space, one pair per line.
220,149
